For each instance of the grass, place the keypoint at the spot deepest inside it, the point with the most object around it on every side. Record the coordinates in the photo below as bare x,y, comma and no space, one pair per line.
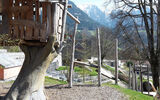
61,68
133,95
52,81
110,68
81,70
48,81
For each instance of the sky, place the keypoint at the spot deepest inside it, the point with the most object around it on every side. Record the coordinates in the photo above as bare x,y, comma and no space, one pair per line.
99,3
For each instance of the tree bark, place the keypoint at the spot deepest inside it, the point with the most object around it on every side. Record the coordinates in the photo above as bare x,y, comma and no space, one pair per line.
29,84
155,71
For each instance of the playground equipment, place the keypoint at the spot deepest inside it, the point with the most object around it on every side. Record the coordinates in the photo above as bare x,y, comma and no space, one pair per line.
34,20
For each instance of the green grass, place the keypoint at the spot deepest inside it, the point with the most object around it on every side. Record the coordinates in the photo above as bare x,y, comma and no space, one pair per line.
81,70
133,95
52,81
61,68
108,68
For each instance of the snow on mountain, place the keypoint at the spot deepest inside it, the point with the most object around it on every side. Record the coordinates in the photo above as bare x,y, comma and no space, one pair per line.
98,15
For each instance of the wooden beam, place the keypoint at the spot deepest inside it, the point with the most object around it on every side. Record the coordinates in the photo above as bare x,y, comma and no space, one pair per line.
136,81
129,76
141,79
32,43
99,57
72,57
64,22
28,23
133,79
0,6
74,18
148,77
19,9
116,61
86,64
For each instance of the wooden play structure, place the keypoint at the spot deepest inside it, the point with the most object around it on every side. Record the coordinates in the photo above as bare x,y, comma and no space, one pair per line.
34,20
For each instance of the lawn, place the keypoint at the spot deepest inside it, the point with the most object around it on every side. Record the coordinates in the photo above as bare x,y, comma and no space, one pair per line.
133,95
52,81
81,70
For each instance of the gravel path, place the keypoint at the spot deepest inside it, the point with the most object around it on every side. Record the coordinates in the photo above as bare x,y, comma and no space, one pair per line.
83,93
78,92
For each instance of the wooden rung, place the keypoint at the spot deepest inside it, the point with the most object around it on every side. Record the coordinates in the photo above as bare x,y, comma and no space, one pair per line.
19,9
27,23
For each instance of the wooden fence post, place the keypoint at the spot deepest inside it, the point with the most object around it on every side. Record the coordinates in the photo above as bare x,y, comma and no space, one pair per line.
99,58
64,21
129,76
133,79
141,82
116,62
72,57
148,77
136,81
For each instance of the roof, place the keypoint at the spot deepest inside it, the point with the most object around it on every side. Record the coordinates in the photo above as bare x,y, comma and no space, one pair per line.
8,60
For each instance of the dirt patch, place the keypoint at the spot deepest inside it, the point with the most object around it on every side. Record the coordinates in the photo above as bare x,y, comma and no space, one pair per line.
78,92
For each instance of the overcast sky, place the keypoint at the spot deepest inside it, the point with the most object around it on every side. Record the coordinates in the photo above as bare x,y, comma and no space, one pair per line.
99,3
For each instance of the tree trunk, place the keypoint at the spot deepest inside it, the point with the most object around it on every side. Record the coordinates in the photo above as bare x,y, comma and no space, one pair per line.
155,75
29,84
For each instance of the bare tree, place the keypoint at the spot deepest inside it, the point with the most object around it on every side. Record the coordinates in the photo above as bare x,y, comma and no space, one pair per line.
147,10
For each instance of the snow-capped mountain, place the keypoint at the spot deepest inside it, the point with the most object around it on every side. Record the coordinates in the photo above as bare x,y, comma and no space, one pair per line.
98,15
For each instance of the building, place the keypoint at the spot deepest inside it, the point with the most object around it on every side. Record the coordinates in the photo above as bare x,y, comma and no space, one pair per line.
10,64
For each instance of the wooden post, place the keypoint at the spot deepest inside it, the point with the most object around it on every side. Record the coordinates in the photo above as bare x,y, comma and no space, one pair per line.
99,58
148,77
129,76
116,62
133,79
136,80
54,15
64,21
141,82
72,57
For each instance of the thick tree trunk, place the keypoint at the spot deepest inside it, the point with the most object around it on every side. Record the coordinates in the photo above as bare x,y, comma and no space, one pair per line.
30,81
155,71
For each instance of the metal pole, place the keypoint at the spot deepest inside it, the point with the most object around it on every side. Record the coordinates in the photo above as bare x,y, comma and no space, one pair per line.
72,58
99,58
116,62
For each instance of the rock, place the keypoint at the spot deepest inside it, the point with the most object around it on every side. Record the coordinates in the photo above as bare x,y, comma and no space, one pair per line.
147,88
